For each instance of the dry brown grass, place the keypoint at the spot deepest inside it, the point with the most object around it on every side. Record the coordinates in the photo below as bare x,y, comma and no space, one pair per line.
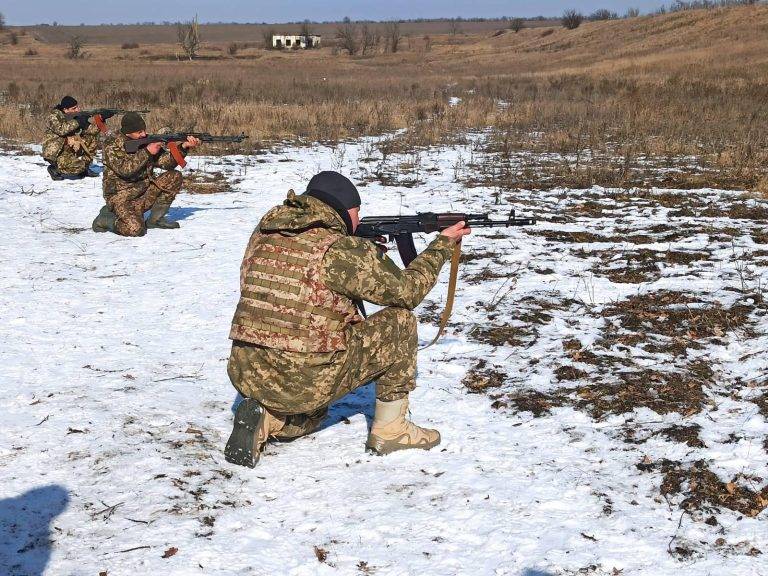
616,94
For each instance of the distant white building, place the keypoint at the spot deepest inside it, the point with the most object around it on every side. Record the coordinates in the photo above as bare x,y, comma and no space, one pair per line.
295,40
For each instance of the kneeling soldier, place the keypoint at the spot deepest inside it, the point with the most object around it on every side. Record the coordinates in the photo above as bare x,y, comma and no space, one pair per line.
299,343
70,142
130,185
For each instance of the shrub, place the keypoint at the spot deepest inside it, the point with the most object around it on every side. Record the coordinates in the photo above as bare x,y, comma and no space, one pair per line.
603,14
30,52
572,19
233,49
75,51
516,25
130,46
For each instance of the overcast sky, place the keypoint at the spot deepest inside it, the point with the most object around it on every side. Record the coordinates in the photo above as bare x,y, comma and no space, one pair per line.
25,12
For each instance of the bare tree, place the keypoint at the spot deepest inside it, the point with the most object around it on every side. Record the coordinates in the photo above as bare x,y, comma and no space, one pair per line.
2,21
367,39
188,36
603,14
306,30
454,26
572,19
632,13
516,25
75,50
393,35
346,34
267,35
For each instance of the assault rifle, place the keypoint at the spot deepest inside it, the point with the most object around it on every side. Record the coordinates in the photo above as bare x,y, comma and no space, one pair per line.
402,228
173,140
99,115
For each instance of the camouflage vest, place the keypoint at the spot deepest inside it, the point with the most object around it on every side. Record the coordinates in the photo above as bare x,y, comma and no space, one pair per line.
284,303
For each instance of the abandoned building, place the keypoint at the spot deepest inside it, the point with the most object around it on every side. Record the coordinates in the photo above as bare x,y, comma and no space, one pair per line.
295,41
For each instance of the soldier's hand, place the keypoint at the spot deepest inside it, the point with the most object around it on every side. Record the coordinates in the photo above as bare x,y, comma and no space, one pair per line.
457,231
191,142
154,148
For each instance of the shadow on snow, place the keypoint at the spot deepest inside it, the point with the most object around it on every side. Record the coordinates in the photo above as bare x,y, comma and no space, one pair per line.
25,529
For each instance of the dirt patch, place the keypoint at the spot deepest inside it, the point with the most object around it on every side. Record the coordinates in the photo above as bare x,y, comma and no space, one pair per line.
537,403
682,321
199,182
570,373
685,434
642,265
663,392
503,335
703,490
481,378
737,211
571,237
491,272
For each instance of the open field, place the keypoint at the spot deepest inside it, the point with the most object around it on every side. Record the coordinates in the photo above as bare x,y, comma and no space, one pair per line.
627,95
601,389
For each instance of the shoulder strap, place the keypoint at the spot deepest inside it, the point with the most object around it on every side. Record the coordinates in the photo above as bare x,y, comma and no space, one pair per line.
451,293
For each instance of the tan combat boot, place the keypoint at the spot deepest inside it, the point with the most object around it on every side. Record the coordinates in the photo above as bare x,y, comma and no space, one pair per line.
253,426
392,431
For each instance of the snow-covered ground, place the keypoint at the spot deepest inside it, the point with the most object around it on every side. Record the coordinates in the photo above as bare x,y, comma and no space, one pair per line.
116,405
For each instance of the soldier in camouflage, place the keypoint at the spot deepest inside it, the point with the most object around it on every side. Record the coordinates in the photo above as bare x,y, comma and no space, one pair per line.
69,144
130,185
298,341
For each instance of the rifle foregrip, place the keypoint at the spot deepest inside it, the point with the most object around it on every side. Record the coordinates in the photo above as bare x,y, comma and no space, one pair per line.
175,151
99,121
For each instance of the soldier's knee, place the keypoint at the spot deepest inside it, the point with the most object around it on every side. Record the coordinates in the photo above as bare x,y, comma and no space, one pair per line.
173,180
132,231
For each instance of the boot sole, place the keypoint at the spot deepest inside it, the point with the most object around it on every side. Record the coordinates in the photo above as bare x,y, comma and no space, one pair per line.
241,447
388,447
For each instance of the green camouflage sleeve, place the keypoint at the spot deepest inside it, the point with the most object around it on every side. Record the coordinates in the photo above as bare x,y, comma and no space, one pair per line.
92,130
166,161
59,125
356,268
122,163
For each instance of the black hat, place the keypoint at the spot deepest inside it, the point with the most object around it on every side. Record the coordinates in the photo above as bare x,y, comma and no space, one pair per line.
132,122
336,191
67,102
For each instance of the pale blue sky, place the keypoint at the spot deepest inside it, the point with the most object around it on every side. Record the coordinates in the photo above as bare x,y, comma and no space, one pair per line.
24,12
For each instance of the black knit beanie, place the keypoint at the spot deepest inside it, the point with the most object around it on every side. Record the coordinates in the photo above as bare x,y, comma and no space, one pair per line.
132,122
336,191
67,102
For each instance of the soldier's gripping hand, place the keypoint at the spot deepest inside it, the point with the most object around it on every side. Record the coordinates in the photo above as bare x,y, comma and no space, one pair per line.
457,231
154,148
191,142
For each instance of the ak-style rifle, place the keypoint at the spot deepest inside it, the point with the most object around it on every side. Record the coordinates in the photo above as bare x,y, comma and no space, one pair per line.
173,140
99,116
402,228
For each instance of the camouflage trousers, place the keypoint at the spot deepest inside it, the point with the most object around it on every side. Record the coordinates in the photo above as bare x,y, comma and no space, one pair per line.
129,205
77,154
300,386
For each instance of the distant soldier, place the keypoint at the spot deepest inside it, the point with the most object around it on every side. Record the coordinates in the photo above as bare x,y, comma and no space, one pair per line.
298,341
70,142
130,185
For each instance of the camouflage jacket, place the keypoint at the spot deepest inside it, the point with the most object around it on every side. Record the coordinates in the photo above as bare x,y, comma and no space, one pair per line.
356,267
57,131
124,172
